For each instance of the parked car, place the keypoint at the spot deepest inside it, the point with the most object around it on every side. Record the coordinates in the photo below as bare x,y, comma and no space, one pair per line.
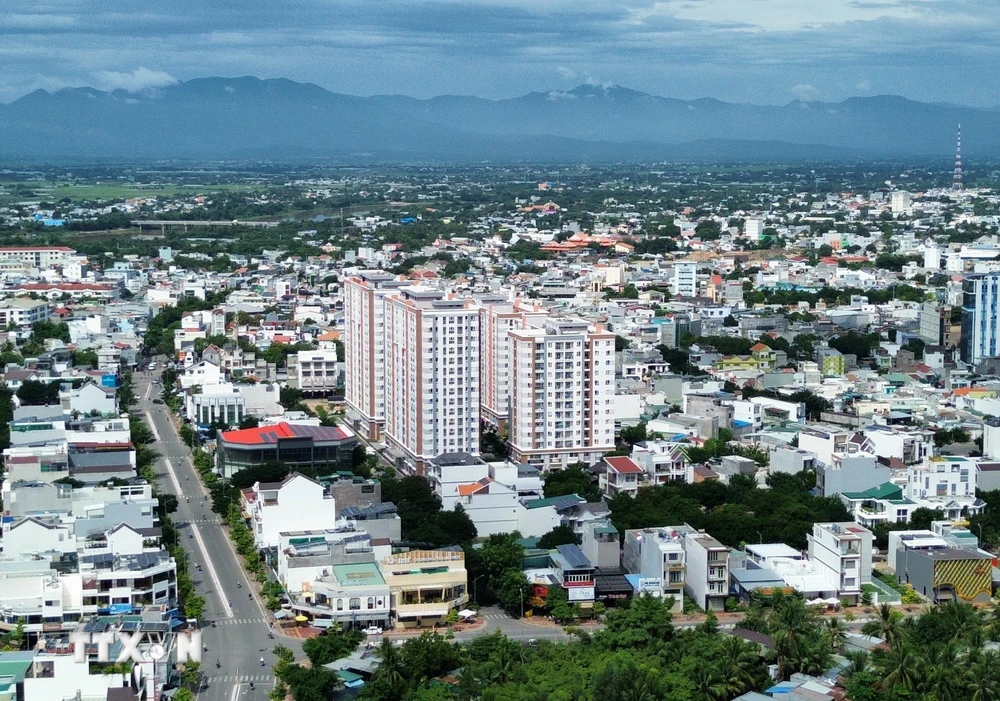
157,401
372,630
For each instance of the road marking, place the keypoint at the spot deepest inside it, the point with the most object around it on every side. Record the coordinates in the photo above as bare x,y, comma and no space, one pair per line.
152,427
171,475
211,571
149,388
236,692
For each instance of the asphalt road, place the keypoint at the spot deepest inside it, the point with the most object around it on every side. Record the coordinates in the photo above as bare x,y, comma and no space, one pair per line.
239,639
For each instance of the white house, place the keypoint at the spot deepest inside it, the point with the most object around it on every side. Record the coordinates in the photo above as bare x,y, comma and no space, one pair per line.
295,504
89,398
202,374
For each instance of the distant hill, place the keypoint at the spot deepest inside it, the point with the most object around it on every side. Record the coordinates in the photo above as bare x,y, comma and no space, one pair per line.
283,119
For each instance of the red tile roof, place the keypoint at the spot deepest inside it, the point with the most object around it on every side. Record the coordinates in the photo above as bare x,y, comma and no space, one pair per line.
272,434
623,465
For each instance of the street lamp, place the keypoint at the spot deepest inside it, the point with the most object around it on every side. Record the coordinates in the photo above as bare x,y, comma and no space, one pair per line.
522,603
475,589
759,539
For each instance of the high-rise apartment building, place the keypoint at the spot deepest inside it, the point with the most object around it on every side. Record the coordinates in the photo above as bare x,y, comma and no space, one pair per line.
685,280
497,317
432,376
980,328
364,349
562,393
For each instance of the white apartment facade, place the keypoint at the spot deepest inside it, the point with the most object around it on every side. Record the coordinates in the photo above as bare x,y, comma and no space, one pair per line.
497,317
295,504
317,371
844,551
38,256
364,349
21,311
432,377
562,394
685,280
657,554
947,483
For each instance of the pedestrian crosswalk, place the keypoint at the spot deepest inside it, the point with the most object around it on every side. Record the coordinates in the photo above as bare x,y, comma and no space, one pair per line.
493,616
241,679
239,621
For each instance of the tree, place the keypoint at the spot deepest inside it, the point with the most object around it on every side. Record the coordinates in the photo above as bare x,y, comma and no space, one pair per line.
512,590
191,674
730,321
572,480
85,357
920,518
560,535
290,397
621,343
854,343
194,607
886,625
634,434
249,422
331,646
34,393
644,620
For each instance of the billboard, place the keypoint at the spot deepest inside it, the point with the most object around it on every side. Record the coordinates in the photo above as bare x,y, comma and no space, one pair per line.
109,381
580,594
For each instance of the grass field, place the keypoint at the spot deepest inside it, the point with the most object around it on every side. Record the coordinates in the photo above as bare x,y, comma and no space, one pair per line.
52,192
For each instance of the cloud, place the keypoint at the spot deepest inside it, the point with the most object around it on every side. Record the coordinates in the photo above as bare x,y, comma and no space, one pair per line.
139,80
736,50
566,73
805,92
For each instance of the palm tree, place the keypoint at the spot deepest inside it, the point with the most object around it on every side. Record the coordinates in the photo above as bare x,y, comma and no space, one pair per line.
835,634
959,618
858,660
982,678
885,625
709,685
898,666
741,661
390,668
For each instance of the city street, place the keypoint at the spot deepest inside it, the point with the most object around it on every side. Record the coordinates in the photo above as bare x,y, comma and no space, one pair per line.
239,639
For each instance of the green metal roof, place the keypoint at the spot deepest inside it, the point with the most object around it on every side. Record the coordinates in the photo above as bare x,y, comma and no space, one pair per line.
886,490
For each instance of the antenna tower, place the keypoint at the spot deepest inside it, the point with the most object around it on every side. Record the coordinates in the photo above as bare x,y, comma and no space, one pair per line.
956,178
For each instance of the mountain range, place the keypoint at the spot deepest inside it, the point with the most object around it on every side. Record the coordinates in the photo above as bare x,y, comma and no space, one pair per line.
282,119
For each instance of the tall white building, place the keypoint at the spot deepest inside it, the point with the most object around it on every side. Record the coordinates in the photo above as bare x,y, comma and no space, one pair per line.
686,280
432,376
364,349
900,201
932,257
980,330
497,316
753,228
562,393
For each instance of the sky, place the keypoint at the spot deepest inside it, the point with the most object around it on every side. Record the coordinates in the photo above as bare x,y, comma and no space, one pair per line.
757,51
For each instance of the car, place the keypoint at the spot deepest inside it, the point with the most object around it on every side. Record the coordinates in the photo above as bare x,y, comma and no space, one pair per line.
157,401
372,630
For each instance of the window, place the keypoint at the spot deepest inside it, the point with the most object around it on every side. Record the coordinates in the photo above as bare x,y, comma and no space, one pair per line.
371,602
355,604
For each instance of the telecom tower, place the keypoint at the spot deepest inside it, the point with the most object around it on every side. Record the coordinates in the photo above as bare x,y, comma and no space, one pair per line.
956,178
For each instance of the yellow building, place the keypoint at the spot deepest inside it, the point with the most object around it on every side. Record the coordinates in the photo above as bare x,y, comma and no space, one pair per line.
737,362
425,585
